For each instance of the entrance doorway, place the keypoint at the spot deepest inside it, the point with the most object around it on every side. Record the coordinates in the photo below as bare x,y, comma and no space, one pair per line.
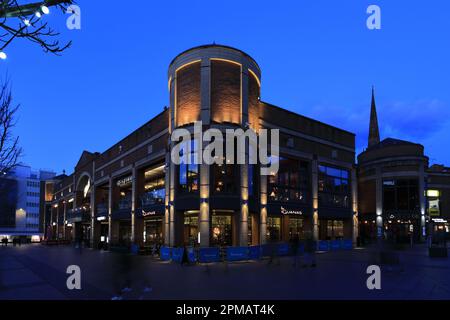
221,230
153,231
273,229
190,234
295,228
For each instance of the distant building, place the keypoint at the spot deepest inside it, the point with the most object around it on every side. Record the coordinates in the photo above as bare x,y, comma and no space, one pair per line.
20,203
398,193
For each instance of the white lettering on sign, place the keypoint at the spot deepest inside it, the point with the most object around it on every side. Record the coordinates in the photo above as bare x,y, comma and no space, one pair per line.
293,212
124,181
150,213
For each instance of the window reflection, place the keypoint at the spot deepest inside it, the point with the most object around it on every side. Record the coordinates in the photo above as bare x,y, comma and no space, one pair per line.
334,187
291,183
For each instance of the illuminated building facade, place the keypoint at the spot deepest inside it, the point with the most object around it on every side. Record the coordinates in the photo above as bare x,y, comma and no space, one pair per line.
20,205
134,194
399,195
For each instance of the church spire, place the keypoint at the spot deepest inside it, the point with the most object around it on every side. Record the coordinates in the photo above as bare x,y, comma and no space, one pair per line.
374,132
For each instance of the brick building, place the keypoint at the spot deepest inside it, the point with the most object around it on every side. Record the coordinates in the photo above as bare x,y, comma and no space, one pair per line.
133,193
399,195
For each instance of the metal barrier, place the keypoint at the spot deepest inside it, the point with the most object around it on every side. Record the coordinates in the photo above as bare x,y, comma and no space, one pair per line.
165,253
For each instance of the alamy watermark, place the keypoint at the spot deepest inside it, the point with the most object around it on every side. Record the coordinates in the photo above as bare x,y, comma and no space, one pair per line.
374,20
73,22
208,147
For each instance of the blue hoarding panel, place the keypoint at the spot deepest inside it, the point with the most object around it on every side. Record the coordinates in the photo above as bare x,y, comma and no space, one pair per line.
267,250
283,249
237,253
134,249
336,244
165,253
177,254
347,244
209,255
323,245
301,249
192,257
254,252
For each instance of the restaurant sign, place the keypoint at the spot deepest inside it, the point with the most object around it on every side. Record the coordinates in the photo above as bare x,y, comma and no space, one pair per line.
125,181
290,212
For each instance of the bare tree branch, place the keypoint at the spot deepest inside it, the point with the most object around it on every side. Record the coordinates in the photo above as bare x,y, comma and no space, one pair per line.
20,21
10,150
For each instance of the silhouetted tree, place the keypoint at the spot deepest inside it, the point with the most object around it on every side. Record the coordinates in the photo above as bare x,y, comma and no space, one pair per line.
10,150
25,20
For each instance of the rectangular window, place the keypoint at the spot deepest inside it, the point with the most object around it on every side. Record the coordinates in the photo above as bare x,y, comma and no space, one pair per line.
188,171
291,183
400,195
334,187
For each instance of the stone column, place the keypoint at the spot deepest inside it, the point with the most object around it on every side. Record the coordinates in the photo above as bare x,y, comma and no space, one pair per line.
167,172
57,220
204,217
93,205
243,214
263,212
110,204
422,201
379,204
133,204
355,222
315,199
172,215
65,219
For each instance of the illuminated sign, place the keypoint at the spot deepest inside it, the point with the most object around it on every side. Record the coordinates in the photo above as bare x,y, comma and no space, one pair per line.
291,212
101,218
149,213
124,181
433,193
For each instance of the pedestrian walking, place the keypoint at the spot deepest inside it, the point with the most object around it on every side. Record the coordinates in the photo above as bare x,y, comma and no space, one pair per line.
295,251
273,253
310,252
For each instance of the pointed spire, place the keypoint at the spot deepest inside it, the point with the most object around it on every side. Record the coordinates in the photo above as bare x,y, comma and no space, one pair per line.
374,132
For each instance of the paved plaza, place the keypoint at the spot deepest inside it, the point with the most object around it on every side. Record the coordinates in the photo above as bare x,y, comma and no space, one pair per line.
39,272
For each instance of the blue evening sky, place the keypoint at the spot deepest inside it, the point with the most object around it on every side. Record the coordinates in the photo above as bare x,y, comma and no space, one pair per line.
317,58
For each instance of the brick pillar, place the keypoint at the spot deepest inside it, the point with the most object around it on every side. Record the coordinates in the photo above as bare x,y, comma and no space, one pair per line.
110,204
93,222
315,199
379,204
355,222
263,212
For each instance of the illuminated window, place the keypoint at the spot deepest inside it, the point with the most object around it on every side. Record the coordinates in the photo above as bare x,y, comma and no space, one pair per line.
188,173
334,187
291,183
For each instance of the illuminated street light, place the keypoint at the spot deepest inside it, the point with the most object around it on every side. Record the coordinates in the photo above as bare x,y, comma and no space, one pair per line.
45,10
3,55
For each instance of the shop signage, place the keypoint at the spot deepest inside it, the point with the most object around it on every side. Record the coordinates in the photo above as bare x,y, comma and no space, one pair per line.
148,214
291,212
125,181
439,220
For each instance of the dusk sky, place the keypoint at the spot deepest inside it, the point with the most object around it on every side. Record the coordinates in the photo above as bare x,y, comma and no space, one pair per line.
318,59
